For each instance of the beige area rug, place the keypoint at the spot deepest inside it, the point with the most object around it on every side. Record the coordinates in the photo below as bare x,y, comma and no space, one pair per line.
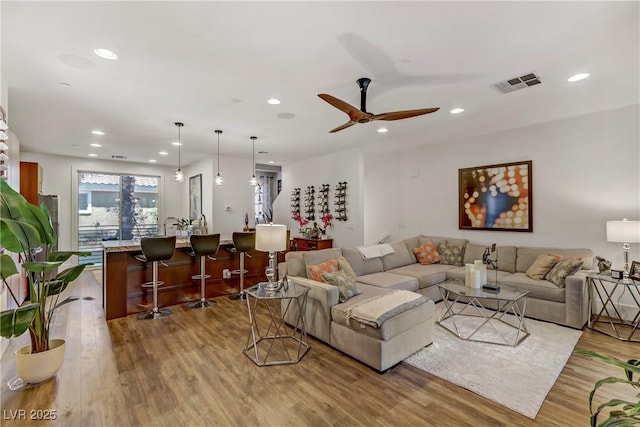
518,378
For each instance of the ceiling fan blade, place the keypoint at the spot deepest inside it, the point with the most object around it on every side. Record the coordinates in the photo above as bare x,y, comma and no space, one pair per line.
397,115
339,104
344,126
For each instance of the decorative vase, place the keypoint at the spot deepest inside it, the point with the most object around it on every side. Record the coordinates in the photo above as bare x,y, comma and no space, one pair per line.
37,367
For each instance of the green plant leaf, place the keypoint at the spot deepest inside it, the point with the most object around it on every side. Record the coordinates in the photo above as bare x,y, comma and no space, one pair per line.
71,273
18,236
66,301
56,287
610,360
35,216
41,266
7,267
63,256
15,322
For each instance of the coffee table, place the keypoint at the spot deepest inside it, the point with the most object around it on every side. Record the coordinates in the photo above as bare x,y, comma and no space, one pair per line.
477,315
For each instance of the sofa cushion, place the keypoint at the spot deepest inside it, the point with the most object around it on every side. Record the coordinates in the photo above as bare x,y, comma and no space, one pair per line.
427,275
411,244
506,256
565,267
344,265
317,257
295,264
389,280
427,253
542,265
451,253
527,256
346,284
435,239
315,271
540,289
390,328
398,258
360,265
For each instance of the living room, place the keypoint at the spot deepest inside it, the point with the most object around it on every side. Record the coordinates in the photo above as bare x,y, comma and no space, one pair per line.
400,184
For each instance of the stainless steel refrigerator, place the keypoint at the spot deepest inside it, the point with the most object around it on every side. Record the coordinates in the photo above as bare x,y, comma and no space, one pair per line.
51,202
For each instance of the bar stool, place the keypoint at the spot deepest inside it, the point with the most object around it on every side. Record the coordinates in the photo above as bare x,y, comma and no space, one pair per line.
156,250
244,242
204,246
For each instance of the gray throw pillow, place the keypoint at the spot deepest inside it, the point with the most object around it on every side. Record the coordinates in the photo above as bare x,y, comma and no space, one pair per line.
346,284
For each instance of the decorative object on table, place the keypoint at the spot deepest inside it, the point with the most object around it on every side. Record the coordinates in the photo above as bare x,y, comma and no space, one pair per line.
315,231
195,197
327,219
496,197
341,201
246,222
27,232
271,238
621,412
178,175
634,271
309,203
617,274
475,275
301,222
603,264
624,232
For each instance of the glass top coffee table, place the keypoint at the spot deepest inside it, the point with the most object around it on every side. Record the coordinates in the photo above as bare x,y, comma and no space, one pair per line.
477,315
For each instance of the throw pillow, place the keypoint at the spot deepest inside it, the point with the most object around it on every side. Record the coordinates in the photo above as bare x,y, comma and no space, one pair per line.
344,265
427,253
315,271
565,267
346,284
451,253
542,265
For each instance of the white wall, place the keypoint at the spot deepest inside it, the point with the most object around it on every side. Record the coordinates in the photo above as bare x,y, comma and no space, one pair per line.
328,169
585,172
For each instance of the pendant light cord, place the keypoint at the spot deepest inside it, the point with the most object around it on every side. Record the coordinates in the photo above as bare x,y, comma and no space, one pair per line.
179,146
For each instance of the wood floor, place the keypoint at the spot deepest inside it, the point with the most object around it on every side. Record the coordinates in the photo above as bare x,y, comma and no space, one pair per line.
188,369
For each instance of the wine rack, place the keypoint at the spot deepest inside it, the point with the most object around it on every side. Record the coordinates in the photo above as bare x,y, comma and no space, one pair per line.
295,202
309,203
341,201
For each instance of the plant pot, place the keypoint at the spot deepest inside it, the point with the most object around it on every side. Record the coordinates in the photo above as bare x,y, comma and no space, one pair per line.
38,367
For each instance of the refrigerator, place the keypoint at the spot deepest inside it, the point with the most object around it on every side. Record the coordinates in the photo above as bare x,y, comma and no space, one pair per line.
51,202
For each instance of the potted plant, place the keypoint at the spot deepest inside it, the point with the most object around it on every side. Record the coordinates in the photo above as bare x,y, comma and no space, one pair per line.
622,413
26,230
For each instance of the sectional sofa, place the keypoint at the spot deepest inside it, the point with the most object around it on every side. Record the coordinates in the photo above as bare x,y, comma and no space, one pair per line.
408,331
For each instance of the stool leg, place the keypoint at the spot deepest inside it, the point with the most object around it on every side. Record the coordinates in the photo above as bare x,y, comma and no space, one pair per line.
155,312
203,303
240,295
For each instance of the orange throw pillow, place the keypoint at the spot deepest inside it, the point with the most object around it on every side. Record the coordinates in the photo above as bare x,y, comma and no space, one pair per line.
427,253
315,271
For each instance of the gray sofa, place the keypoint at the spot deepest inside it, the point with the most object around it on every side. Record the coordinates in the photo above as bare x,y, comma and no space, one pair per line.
404,334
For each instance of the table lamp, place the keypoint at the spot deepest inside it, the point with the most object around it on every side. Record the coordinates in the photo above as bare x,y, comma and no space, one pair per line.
624,232
271,238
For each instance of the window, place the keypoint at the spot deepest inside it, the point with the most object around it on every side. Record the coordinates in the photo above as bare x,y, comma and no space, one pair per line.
84,203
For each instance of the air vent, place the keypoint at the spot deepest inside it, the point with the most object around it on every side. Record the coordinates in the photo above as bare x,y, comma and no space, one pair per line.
115,156
518,83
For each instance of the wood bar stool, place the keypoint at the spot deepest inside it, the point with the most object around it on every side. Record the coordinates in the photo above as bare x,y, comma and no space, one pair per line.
244,242
156,250
204,246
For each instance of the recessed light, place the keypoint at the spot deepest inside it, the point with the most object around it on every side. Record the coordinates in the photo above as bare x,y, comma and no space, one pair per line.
273,101
96,145
105,53
457,110
92,155
578,77
176,143
163,153
152,160
271,162
97,132
383,130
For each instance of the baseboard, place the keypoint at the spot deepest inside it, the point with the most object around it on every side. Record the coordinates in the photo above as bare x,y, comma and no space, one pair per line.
627,312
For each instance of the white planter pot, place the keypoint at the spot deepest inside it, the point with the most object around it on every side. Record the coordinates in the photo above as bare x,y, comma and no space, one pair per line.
38,367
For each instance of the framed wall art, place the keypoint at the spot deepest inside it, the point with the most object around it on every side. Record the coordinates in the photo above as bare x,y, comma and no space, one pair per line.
195,197
496,197
634,271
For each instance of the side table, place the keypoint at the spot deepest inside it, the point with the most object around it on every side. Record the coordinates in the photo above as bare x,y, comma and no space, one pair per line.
280,344
608,319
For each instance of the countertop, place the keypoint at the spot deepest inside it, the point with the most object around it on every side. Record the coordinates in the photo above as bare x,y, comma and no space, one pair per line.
134,245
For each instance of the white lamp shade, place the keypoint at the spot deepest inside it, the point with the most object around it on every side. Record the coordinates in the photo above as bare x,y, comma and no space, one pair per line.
623,231
271,237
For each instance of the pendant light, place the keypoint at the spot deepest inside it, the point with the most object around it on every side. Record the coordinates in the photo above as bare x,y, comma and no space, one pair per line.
254,180
179,175
219,179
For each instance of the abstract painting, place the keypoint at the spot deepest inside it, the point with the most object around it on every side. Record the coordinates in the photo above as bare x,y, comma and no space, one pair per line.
195,197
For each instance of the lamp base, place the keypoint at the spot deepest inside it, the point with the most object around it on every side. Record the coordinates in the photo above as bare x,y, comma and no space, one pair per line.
273,286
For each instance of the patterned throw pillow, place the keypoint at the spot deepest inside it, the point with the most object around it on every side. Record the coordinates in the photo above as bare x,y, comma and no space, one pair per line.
565,267
315,271
542,265
451,253
427,253
346,284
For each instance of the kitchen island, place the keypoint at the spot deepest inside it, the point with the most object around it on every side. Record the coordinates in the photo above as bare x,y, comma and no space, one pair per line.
123,275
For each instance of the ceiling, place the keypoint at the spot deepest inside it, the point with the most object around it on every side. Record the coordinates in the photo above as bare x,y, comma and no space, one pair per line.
213,65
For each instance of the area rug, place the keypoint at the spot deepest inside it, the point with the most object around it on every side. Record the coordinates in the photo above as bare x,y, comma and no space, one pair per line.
518,378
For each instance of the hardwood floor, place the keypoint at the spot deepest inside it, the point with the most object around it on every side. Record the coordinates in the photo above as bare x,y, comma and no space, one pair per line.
188,369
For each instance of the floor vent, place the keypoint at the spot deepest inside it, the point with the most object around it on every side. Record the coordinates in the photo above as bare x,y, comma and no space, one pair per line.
518,83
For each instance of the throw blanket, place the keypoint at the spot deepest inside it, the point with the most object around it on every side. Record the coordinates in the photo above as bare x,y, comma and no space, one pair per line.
374,311
375,251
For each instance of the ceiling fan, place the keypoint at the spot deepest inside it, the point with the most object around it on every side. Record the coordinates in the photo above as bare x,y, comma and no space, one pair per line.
362,115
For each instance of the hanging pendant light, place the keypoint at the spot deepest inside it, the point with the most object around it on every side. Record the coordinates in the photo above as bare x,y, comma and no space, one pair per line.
179,175
254,180
219,179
